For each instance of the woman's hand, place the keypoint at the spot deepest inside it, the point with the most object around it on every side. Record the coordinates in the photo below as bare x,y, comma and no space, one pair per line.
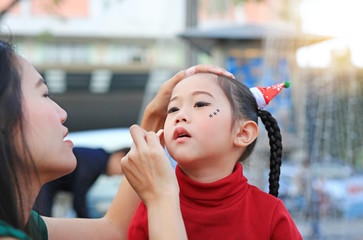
149,171
155,112
147,167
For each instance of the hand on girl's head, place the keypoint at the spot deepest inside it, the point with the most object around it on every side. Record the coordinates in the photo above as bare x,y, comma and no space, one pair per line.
208,68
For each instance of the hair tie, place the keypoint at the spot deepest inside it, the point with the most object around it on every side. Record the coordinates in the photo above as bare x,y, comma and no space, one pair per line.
259,112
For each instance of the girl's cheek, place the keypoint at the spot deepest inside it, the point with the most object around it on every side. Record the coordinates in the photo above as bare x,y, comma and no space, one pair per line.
213,114
166,135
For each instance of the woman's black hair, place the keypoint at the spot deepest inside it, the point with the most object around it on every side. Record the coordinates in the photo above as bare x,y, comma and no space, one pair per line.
244,106
14,169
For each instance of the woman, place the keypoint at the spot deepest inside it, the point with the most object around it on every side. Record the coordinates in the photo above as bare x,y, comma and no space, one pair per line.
33,152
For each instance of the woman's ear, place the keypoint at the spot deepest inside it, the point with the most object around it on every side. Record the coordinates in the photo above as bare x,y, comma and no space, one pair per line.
246,133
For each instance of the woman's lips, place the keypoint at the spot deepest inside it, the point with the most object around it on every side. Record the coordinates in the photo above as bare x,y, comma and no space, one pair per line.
69,141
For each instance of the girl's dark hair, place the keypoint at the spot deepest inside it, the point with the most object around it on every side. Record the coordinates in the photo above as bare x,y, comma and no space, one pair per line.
244,106
14,169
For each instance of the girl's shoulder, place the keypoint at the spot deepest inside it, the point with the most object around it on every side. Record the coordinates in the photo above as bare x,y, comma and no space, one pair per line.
268,204
261,196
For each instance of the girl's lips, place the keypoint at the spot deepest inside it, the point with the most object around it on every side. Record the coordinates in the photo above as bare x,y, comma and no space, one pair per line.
181,133
181,139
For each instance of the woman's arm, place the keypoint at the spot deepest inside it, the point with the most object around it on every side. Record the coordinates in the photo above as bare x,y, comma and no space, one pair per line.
165,219
113,225
152,176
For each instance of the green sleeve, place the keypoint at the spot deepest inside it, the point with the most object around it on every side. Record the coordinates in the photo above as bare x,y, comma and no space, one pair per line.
7,230
37,226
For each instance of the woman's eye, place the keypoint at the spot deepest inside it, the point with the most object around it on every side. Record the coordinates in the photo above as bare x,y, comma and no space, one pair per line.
47,95
201,104
173,109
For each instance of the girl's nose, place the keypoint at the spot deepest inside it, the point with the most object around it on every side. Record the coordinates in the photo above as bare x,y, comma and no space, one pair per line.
182,117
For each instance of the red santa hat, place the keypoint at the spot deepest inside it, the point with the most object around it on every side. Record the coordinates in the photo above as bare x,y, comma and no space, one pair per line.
264,95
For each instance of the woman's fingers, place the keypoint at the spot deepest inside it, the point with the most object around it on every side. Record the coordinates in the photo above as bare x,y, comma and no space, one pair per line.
138,136
169,85
160,134
154,144
145,143
146,166
208,68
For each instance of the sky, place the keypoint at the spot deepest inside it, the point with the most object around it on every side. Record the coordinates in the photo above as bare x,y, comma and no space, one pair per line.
342,19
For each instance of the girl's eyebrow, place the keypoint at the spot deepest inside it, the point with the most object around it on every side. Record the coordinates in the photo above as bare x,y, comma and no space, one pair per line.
202,92
194,94
40,82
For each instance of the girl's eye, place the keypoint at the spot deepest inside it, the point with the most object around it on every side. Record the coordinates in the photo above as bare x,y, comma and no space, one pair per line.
201,104
173,109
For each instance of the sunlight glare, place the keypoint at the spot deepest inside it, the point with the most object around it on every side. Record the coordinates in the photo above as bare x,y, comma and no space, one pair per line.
336,18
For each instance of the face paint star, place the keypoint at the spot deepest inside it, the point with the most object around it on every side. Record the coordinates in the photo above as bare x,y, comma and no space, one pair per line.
215,113
210,115
217,110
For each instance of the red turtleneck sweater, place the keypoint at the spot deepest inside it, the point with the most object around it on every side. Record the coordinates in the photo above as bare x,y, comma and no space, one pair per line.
229,208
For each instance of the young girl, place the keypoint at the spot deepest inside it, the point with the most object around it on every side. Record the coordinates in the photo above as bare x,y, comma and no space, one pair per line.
210,126
33,151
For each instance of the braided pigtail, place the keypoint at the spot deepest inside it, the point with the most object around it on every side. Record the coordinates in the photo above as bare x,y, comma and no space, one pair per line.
245,103
275,150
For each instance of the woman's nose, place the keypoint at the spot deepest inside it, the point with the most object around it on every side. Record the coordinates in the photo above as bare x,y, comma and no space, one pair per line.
62,114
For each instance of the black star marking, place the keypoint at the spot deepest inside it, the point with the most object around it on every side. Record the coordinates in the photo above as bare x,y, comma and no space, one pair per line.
217,110
210,115
215,113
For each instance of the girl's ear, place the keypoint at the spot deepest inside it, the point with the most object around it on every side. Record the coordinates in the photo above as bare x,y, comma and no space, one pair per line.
246,133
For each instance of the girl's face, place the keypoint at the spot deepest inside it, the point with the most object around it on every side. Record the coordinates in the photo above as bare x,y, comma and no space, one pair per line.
198,130
43,126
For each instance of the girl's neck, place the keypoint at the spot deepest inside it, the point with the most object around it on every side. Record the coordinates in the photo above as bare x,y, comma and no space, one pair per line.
211,168
209,173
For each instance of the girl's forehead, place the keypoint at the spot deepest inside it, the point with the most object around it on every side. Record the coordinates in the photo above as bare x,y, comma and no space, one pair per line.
200,80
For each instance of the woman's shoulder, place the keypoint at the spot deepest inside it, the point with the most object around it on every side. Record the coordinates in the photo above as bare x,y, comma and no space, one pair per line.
37,226
9,232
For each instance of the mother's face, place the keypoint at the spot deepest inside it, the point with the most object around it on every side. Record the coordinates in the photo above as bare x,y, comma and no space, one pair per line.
43,127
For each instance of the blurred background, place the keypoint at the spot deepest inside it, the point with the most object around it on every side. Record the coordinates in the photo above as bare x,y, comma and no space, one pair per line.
104,60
